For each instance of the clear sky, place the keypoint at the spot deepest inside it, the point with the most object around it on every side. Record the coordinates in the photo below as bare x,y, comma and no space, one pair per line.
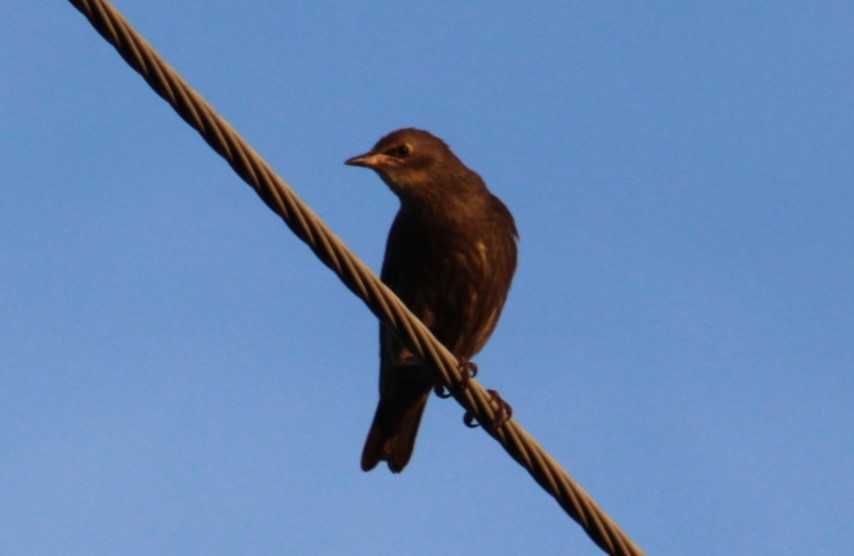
180,375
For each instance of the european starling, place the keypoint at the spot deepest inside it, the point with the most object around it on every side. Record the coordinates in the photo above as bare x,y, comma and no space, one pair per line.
450,257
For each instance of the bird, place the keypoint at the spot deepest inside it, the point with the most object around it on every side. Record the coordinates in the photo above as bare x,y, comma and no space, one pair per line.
450,257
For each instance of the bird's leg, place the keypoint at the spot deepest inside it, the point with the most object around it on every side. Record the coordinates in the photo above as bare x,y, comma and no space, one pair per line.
504,413
468,369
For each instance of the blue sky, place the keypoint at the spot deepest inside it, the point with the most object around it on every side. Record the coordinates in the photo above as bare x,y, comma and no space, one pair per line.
180,375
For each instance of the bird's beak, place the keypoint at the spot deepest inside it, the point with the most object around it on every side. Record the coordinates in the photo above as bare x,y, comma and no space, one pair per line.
367,160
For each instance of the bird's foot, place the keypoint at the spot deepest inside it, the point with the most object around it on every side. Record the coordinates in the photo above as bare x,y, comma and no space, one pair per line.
504,413
468,369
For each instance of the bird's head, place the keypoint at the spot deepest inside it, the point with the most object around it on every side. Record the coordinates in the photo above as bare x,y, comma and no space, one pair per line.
413,163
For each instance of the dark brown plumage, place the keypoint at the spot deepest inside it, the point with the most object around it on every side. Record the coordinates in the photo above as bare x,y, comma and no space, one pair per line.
450,257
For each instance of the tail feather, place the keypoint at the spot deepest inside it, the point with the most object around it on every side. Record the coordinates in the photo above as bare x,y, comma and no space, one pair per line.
393,431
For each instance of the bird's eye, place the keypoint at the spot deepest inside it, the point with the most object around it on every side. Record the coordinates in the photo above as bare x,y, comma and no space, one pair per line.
399,152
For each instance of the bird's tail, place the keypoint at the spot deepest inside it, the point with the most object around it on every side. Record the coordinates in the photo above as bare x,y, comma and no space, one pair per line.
392,434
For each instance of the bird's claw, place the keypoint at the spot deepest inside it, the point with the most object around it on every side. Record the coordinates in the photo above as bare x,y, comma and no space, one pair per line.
468,369
470,421
441,391
504,413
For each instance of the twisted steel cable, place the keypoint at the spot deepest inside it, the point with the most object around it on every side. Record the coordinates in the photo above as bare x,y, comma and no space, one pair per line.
354,273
